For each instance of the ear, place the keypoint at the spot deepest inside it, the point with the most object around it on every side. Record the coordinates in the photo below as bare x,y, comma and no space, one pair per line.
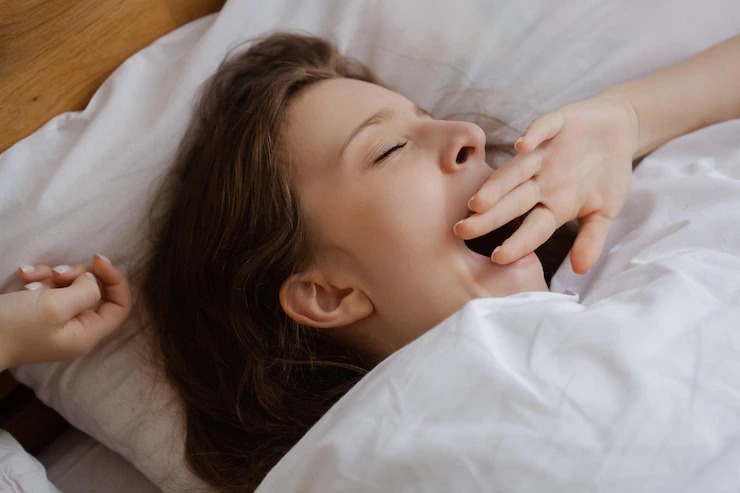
309,299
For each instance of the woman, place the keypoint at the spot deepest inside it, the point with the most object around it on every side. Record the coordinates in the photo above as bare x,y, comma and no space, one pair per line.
320,222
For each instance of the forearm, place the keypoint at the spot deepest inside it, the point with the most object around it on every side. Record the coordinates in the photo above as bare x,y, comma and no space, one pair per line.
692,94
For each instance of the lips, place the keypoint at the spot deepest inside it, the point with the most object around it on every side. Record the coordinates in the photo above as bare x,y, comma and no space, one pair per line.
484,245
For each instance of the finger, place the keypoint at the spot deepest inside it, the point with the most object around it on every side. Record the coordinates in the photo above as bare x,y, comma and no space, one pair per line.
62,304
115,289
538,226
589,242
63,275
515,204
36,285
83,332
510,175
86,329
32,273
544,128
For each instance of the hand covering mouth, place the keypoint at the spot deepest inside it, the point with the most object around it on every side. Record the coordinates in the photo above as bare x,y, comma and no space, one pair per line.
484,245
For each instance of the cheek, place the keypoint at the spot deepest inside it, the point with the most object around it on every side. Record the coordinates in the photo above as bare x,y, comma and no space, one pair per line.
390,221
402,215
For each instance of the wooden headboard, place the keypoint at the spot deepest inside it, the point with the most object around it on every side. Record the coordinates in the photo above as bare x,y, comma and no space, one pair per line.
54,54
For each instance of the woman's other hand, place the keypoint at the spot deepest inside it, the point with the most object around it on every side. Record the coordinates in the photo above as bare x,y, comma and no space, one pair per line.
572,163
62,312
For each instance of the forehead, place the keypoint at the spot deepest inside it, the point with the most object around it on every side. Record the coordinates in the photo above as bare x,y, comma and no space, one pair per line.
340,99
323,116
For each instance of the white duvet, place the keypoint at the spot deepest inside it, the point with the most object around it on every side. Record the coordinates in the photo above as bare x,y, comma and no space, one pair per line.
633,388
19,472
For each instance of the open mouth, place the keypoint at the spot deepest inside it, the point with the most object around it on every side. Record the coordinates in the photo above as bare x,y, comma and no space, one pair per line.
484,245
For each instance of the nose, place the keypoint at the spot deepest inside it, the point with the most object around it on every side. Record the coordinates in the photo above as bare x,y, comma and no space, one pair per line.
464,143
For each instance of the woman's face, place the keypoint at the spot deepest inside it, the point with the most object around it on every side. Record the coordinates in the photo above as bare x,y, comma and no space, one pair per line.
382,185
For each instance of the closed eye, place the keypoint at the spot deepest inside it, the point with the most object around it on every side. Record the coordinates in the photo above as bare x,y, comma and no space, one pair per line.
387,153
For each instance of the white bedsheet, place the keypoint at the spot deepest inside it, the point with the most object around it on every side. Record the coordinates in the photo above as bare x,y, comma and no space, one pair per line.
635,389
19,471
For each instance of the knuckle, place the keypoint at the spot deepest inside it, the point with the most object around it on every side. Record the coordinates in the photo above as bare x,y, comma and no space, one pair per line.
533,192
523,203
522,173
92,295
498,190
487,198
535,162
529,167
495,184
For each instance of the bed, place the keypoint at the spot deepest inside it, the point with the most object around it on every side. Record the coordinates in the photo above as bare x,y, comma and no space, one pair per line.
54,56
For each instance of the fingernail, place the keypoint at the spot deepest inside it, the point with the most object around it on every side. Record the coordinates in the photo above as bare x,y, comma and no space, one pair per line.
516,144
494,252
61,269
103,258
454,228
27,269
33,286
91,276
470,202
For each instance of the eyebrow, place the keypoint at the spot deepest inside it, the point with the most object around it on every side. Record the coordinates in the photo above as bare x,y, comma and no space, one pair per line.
380,116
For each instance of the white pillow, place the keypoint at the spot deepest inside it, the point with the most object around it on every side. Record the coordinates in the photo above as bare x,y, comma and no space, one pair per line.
82,183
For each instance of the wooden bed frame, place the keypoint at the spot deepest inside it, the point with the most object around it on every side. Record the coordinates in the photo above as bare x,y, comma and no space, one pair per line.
54,54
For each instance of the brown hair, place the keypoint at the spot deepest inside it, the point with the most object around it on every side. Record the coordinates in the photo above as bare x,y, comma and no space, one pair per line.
252,380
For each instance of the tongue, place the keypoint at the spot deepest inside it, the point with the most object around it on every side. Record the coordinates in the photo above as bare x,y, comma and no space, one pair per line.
485,244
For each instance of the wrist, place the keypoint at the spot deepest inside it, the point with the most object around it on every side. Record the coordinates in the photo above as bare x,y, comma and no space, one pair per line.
629,109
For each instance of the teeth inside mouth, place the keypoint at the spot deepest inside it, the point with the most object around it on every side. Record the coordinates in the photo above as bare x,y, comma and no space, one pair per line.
484,245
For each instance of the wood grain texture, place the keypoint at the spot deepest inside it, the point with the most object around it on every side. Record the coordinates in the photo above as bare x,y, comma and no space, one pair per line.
54,54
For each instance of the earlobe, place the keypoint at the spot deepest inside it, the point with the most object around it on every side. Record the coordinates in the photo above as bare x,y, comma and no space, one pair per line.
309,299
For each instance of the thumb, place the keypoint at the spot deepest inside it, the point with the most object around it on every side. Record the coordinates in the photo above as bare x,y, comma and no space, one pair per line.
542,129
589,242
82,294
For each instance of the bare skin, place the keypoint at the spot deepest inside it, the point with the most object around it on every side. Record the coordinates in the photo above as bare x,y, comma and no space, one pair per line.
62,312
575,162
390,204
383,208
